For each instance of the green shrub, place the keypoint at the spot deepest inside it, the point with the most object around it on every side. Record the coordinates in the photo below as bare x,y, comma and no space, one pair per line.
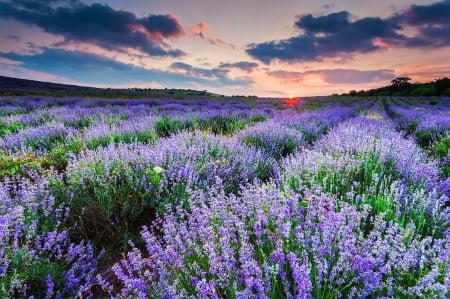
111,202
142,136
224,125
166,126
10,128
20,165
81,123
441,150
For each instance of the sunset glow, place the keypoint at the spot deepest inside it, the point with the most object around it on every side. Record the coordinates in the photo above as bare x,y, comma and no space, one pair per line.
292,101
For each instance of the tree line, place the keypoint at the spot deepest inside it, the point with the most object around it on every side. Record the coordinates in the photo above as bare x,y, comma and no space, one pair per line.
401,86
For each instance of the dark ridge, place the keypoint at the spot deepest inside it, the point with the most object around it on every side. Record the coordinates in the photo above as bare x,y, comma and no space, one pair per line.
20,87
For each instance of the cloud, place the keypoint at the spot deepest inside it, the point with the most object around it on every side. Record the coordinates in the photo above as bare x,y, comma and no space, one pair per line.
301,48
199,72
286,77
13,37
436,13
94,69
219,74
242,65
98,24
221,41
198,29
335,76
201,30
349,76
327,6
431,22
337,35
328,24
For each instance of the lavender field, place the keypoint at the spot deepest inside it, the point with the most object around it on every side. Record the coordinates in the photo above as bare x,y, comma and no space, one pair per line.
312,198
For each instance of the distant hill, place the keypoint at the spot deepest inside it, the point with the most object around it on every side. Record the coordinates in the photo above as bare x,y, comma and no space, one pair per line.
402,87
19,87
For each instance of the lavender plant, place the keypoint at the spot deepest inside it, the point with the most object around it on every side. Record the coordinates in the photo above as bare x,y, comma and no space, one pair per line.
272,244
274,139
364,161
116,189
37,257
39,140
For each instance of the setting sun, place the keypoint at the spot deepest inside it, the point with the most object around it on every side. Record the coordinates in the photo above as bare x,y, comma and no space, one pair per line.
291,101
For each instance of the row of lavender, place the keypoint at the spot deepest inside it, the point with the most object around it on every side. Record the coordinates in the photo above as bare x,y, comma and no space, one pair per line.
428,122
37,128
281,207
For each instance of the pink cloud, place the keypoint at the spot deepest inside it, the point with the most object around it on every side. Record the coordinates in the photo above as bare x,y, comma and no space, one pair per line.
201,30
335,76
198,29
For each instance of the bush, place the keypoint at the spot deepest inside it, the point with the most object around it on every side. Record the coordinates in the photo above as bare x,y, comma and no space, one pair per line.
167,126
37,258
274,139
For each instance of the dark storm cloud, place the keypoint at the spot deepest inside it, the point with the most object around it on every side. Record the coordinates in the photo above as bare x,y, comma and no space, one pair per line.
437,13
336,76
95,69
327,24
432,23
336,35
165,25
242,65
299,48
98,24
330,36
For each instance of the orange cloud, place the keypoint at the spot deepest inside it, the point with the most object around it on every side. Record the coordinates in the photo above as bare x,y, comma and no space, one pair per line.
197,29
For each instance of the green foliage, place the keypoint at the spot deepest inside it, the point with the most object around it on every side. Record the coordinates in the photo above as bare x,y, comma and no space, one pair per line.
441,150
81,122
33,268
20,165
309,136
313,105
47,142
10,128
45,118
8,112
368,184
58,157
224,125
425,137
401,87
408,127
141,136
276,148
123,116
256,118
166,126
112,202
218,124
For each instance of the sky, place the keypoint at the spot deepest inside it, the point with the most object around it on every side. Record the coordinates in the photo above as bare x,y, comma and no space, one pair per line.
247,47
